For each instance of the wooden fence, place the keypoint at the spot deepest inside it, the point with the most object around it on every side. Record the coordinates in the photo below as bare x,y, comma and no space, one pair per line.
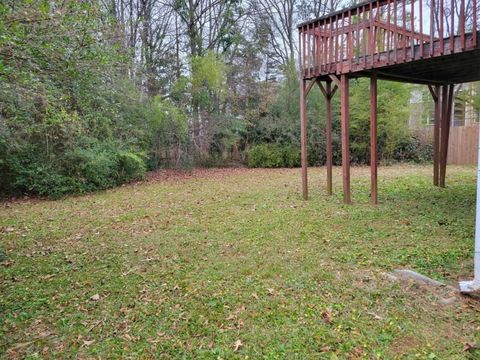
463,145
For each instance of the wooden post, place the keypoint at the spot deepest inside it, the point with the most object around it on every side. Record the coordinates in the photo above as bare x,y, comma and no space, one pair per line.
436,136
447,105
373,138
303,138
447,100
344,95
328,130
451,99
328,92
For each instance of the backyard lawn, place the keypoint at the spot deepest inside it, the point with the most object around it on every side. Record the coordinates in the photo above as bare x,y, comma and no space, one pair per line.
233,264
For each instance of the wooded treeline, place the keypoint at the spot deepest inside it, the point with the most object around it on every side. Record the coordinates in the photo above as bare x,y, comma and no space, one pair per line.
94,93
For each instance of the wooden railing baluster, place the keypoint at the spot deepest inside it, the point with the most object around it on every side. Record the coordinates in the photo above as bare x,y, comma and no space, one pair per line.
421,27
440,30
432,25
412,29
462,25
475,27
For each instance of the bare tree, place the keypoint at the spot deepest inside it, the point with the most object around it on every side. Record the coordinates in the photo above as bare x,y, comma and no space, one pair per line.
282,18
146,32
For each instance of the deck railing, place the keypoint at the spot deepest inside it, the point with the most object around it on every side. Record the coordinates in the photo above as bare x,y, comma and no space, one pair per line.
381,33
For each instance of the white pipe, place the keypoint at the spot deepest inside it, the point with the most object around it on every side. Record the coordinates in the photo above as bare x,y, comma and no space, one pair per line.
474,285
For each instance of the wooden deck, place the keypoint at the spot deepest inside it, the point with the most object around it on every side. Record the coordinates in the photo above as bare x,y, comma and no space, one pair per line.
379,35
457,64
432,42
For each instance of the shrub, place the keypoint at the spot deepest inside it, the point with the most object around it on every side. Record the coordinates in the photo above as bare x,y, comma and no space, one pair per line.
412,149
292,157
95,168
103,165
44,180
273,156
130,167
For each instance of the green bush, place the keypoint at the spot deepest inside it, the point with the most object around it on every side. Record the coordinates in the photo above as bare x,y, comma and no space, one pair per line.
291,157
130,167
103,166
95,168
412,149
44,180
273,156
89,166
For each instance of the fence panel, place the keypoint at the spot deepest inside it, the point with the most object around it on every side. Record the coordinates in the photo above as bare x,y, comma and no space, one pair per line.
463,145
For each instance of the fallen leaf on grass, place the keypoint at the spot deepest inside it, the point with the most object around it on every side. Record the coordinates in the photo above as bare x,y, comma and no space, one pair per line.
124,310
238,344
375,316
95,297
468,347
327,319
88,342
7,263
255,296
131,338
45,334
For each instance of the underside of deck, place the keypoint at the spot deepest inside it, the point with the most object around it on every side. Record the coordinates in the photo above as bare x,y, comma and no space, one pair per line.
454,69
453,65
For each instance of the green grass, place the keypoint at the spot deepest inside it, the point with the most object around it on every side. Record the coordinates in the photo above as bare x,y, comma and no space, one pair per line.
188,269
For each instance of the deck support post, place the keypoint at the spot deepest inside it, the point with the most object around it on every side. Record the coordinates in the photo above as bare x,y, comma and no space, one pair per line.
436,133
373,139
328,130
303,138
344,97
447,103
328,93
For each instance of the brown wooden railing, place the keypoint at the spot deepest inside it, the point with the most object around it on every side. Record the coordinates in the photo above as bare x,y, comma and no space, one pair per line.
381,33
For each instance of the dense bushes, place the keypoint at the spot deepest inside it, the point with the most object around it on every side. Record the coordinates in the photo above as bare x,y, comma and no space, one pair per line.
273,156
70,119
413,149
79,170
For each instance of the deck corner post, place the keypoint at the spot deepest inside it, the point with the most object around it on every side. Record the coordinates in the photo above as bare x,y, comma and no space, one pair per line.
345,134
303,138
447,105
328,130
443,126
448,95
436,133
373,139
